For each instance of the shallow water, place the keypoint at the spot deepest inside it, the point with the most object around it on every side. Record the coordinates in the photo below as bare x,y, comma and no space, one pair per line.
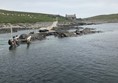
84,59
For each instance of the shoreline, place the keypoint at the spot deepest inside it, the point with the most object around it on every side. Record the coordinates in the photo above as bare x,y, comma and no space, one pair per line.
55,29
59,30
5,27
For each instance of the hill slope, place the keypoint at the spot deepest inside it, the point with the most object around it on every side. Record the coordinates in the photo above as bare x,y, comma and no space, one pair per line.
103,18
26,17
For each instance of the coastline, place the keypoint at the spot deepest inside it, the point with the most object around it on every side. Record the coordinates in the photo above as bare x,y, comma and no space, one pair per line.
5,27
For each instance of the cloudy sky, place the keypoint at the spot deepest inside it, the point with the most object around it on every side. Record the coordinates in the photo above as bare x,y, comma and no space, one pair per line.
82,8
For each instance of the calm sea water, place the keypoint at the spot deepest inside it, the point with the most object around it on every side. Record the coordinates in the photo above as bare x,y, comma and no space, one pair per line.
84,59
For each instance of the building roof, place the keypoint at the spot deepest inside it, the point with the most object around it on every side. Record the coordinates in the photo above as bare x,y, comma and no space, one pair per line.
70,16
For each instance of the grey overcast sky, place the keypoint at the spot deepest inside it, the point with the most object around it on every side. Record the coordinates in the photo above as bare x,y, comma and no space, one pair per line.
82,8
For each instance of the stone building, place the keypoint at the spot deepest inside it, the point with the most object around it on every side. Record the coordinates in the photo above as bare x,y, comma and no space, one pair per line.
71,17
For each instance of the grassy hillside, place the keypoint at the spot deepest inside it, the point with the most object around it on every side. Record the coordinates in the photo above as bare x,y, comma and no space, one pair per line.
25,17
103,18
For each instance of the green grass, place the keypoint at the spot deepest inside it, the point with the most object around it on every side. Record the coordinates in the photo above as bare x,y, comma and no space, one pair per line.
26,17
109,18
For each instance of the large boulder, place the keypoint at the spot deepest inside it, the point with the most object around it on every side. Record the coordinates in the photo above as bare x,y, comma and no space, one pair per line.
23,36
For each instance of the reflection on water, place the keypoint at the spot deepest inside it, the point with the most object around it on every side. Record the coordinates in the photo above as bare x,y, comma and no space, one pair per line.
11,47
28,45
83,59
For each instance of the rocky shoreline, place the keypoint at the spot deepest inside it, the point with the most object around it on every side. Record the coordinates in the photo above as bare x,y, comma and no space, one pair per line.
73,31
8,30
5,27
61,31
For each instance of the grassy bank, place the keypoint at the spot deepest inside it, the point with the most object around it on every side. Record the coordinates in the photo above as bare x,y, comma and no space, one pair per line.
26,17
103,18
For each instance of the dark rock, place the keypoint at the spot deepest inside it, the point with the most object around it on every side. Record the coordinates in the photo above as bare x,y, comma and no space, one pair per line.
23,36
45,30
31,33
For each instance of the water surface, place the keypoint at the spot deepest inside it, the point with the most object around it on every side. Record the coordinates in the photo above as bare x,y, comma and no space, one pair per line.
84,59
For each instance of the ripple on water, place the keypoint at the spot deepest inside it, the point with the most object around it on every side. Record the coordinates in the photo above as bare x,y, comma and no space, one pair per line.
85,59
